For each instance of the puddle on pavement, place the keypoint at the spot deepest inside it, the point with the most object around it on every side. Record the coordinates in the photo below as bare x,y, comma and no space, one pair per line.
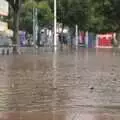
60,82
57,116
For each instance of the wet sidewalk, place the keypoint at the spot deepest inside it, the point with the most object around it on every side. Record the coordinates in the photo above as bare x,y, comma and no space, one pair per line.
58,116
65,85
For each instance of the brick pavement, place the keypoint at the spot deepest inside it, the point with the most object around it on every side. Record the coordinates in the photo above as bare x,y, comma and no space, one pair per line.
79,81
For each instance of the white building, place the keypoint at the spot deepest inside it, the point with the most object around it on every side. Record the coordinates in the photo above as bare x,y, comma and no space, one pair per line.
3,13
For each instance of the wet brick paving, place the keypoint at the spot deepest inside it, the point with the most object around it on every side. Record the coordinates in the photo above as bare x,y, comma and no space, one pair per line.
67,85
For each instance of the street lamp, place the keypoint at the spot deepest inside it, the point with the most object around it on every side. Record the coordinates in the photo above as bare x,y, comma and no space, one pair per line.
55,23
76,34
35,24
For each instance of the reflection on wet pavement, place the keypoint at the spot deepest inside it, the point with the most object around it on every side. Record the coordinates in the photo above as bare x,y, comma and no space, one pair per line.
65,85
57,116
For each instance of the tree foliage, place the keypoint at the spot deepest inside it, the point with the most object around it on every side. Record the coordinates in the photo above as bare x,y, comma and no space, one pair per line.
71,12
92,15
45,15
107,13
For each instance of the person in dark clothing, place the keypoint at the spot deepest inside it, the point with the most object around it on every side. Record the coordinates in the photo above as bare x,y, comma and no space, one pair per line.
64,40
60,39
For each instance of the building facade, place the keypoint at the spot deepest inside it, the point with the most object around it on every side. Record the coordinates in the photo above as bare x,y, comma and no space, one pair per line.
3,14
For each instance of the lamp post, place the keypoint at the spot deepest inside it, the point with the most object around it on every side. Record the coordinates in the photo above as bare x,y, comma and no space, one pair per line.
76,35
55,23
35,24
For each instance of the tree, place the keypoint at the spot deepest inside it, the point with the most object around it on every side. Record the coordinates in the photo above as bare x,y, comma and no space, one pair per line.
109,11
16,7
44,13
25,21
45,17
22,18
71,12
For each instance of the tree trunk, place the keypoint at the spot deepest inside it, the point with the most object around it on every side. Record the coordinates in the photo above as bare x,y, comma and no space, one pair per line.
71,36
46,40
16,31
38,38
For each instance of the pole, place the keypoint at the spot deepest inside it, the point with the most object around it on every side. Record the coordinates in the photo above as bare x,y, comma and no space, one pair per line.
86,39
55,23
34,25
76,34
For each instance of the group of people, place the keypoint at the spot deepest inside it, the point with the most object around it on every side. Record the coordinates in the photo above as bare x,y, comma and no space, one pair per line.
62,39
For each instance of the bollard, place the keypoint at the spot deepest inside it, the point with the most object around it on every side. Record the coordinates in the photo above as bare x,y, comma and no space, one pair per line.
3,52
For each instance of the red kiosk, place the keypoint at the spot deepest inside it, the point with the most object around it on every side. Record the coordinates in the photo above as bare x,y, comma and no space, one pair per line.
104,40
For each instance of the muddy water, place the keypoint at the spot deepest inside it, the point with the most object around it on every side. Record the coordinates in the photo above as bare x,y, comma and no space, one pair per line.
65,85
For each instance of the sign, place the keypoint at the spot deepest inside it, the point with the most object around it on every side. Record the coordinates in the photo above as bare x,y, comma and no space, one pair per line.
3,8
105,40
3,26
